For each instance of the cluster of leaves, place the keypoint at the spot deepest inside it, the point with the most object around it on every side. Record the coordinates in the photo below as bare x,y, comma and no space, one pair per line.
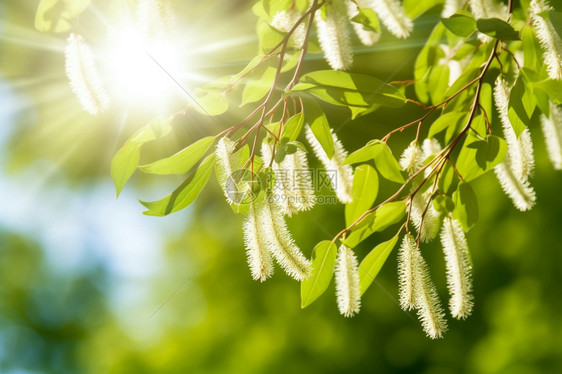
453,80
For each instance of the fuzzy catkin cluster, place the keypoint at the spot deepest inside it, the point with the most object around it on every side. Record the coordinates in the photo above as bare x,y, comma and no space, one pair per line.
548,37
83,75
348,288
343,181
459,268
552,130
514,172
293,184
266,235
333,23
417,290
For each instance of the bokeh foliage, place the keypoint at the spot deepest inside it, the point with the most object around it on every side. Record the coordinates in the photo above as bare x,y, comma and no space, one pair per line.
220,321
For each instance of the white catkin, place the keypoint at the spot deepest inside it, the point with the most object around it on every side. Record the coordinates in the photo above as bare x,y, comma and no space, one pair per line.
406,272
459,269
280,242
367,37
489,9
155,18
430,147
293,189
225,149
451,7
518,189
393,16
411,159
333,34
427,226
343,179
259,258
348,288
456,67
548,37
552,130
83,75
520,150
284,21
428,305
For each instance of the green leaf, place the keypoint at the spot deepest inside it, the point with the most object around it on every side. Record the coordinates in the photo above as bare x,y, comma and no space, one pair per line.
439,82
360,93
445,121
385,162
486,99
127,159
552,88
531,48
460,24
56,15
387,215
292,128
373,262
443,204
269,37
521,106
415,8
479,156
274,6
466,77
368,19
497,28
364,193
319,125
210,102
182,161
466,206
252,65
425,61
185,194
323,260
256,90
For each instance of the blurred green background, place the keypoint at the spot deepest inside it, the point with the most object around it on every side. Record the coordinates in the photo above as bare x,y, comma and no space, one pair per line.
90,285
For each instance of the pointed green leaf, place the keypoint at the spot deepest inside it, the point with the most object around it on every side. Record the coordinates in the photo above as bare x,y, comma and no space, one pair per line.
292,128
497,28
256,89
323,261
182,161
466,206
385,162
479,156
460,24
127,159
373,262
364,193
360,93
185,194
444,122
210,102
415,8
368,19
387,215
